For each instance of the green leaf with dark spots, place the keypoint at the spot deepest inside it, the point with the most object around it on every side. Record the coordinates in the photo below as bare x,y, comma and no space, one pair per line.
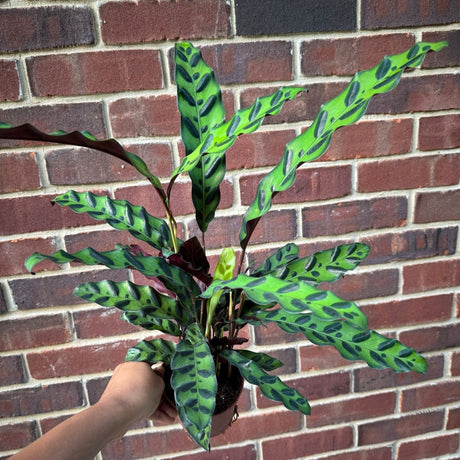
152,351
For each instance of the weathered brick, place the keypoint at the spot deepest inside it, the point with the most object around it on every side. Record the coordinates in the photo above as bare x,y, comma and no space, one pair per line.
311,184
250,62
368,139
288,356
351,216
11,89
272,334
420,94
84,116
17,435
246,452
302,445
94,72
45,27
3,306
429,448
398,313
349,410
380,14
313,358
14,253
368,379
433,275
145,116
407,173
146,21
377,453
439,132
439,394
41,399
410,245
36,213
346,56
34,332
274,226
453,418
449,56
262,17
100,322
433,338
437,206
29,293
455,365
18,171
77,360
400,427
11,370
378,283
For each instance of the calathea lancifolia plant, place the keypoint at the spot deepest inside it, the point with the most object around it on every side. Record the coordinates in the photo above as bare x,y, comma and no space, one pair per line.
205,312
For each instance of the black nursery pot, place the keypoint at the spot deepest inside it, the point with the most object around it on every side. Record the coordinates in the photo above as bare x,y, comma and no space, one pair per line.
229,389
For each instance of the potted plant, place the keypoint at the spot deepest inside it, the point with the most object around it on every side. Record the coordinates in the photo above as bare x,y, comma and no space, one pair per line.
204,311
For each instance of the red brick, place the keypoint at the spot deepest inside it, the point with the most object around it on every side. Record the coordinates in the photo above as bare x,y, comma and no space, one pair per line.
434,275
378,283
453,418
306,444
350,410
145,21
420,94
433,338
77,360
145,116
95,72
368,139
34,332
14,253
17,435
400,174
45,27
246,152
51,291
378,14
11,90
3,305
311,184
103,240
18,172
428,448
315,358
405,312
100,322
346,56
430,395
272,334
11,370
448,57
247,452
439,132
412,244
41,399
400,427
250,62
455,367
368,379
84,116
378,453
437,206
288,356
315,386
350,216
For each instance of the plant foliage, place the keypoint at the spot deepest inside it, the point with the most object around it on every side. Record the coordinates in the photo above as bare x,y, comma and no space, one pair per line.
206,311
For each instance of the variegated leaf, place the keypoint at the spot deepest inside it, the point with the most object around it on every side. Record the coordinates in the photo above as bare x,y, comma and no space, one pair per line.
152,351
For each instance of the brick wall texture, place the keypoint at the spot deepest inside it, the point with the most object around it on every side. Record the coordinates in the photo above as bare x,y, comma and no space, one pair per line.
391,181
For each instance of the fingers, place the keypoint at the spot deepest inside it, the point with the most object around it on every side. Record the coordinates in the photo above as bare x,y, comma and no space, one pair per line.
165,413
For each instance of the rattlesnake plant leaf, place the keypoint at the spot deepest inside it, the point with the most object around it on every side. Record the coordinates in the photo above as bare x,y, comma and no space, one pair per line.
128,297
267,363
375,349
138,318
82,139
222,137
278,260
345,109
293,297
195,384
173,277
324,266
122,215
152,351
270,385
199,101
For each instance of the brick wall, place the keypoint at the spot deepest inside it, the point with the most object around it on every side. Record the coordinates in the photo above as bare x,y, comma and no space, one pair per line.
391,181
